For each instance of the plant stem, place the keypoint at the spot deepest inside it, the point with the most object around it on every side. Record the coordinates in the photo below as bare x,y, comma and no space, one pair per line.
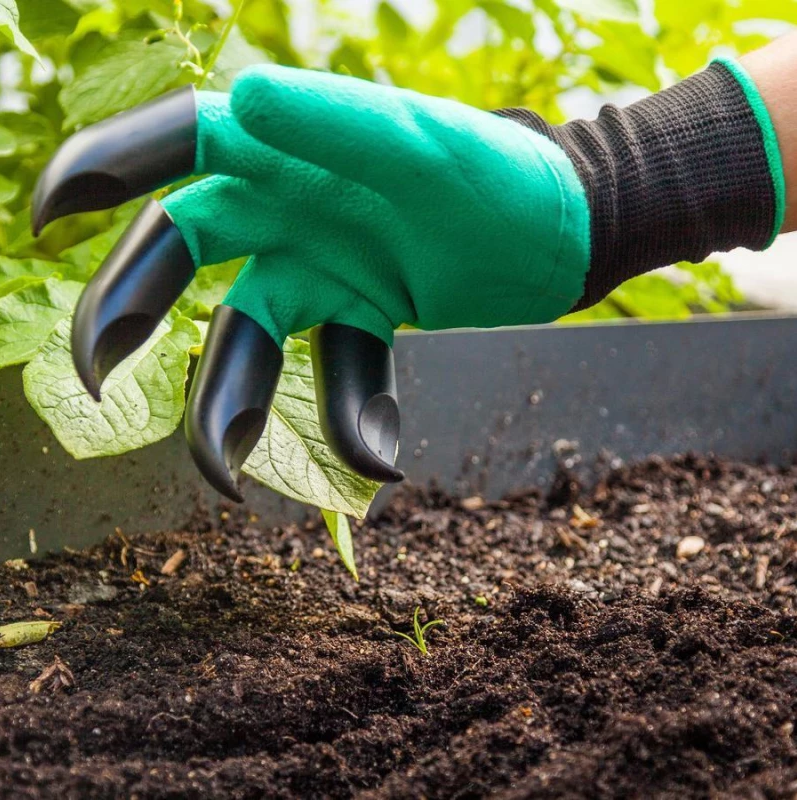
225,34
190,46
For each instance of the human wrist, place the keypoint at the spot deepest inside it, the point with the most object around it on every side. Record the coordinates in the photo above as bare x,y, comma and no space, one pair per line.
773,69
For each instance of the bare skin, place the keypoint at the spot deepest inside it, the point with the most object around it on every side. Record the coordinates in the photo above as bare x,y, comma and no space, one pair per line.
774,70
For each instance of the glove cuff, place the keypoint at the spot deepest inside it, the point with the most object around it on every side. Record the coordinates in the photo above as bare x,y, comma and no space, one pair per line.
691,170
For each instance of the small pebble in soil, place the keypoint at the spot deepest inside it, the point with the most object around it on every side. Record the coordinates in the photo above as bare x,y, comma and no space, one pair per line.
472,503
689,547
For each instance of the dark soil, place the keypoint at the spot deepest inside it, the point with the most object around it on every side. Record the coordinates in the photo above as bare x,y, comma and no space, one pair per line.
580,656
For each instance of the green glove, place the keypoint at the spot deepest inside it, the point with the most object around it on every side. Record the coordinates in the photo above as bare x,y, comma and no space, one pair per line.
373,207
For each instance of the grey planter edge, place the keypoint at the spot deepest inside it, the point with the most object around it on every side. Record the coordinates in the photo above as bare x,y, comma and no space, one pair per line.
482,412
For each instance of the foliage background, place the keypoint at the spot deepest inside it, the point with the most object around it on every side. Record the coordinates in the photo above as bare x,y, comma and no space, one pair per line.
67,63
98,57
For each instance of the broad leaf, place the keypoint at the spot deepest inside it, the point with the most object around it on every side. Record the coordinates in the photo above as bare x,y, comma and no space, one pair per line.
28,316
11,285
9,27
651,297
236,55
351,59
81,260
340,531
266,21
515,22
624,10
8,190
8,142
85,257
392,26
24,133
111,76
18,634
40,19
28,267
143,398
627,54
208,288
292,456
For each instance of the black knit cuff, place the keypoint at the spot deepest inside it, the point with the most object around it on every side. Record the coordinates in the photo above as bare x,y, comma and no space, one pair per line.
674,177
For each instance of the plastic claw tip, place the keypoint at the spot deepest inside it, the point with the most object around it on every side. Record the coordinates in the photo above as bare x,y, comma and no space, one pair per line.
356,389
118,159
230,397
145,273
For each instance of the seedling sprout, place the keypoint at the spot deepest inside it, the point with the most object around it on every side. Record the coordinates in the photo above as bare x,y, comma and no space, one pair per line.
418,639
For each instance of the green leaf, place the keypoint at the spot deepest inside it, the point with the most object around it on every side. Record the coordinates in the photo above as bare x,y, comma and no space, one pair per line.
340,531
392,26
266,22
143,398
685,15
19,233
81,260
28,316
208,288
85,257
627,54
19,634
652,297
713,289
28,267
15,284
9,28
111,76
106,20
600,312
8,190
351,59
237,54
44,18
24,133
623,10
515,22
292,456
8,142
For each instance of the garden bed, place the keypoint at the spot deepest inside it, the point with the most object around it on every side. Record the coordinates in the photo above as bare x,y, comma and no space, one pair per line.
580,655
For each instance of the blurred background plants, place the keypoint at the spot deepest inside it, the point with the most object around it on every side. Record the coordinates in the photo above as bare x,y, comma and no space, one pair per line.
67,63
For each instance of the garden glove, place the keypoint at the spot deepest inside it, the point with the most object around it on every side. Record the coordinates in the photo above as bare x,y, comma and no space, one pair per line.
364,207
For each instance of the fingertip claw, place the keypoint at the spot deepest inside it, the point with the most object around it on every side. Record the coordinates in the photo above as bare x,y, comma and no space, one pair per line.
118,159
357,406
379,425
230,397
135,287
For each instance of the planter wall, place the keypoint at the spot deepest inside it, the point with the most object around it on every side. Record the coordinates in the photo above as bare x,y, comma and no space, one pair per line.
482,412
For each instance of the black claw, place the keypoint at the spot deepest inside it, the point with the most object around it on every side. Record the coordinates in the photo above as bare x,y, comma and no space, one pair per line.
230,397
355,384
129,295
119,158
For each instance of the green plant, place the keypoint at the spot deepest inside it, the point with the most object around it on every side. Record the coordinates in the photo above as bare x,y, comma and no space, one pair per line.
418,638
68,63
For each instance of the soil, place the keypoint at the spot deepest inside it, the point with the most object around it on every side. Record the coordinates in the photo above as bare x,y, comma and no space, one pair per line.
581,657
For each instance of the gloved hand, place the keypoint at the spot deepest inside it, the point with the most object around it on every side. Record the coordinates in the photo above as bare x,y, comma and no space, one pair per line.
364,207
